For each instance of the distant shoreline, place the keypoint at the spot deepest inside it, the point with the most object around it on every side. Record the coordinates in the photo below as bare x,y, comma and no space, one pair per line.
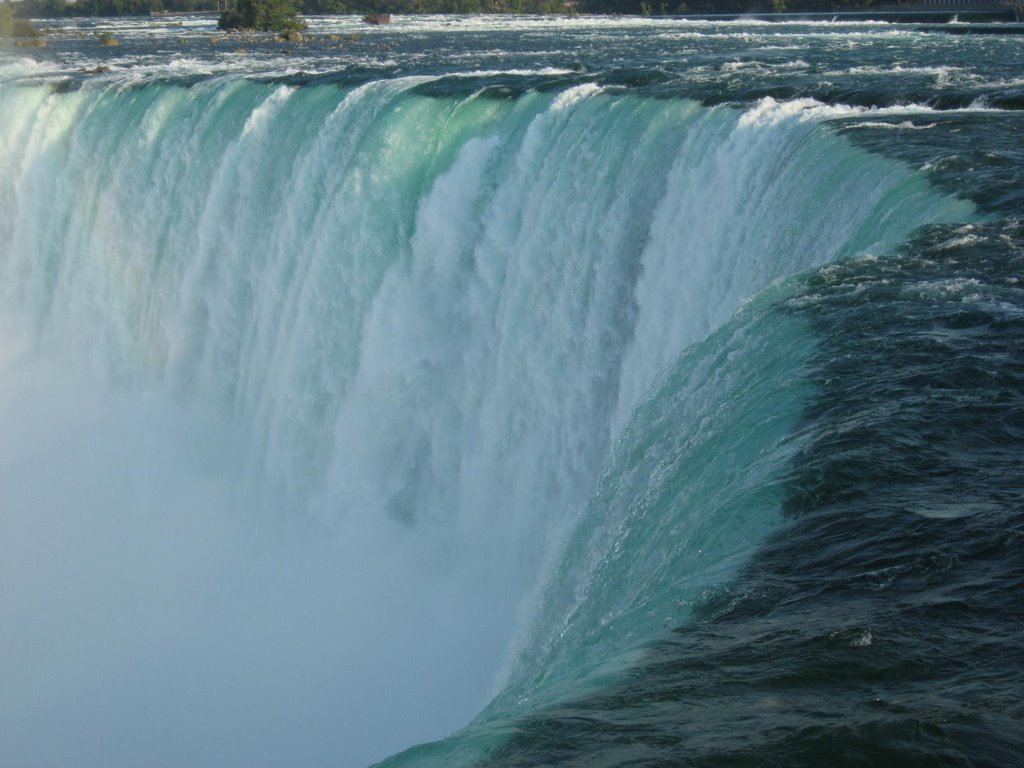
949,17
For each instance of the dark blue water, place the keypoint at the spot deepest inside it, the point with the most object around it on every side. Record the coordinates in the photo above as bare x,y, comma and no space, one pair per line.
883,626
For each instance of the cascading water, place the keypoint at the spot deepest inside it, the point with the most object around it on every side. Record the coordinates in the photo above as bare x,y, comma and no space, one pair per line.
329,407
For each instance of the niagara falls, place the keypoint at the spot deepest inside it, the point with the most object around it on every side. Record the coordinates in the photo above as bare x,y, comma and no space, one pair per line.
503,391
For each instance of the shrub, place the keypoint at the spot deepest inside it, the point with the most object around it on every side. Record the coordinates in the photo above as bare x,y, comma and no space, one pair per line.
24,28
6,20
264,15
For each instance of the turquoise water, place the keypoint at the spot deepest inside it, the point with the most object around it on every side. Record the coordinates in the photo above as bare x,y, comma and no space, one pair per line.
475,382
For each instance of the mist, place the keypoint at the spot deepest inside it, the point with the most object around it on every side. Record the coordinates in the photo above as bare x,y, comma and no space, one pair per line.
158,610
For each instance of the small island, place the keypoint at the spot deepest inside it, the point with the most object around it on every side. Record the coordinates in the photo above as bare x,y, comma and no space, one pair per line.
279,16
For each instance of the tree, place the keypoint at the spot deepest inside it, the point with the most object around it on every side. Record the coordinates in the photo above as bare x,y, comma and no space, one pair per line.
6,20
12,26
263,15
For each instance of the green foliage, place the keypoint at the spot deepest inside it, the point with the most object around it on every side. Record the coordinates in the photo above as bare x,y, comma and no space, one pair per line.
52,9
436,6
281,16
6,20
12,26
24,28
327,7
43,9
263,15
